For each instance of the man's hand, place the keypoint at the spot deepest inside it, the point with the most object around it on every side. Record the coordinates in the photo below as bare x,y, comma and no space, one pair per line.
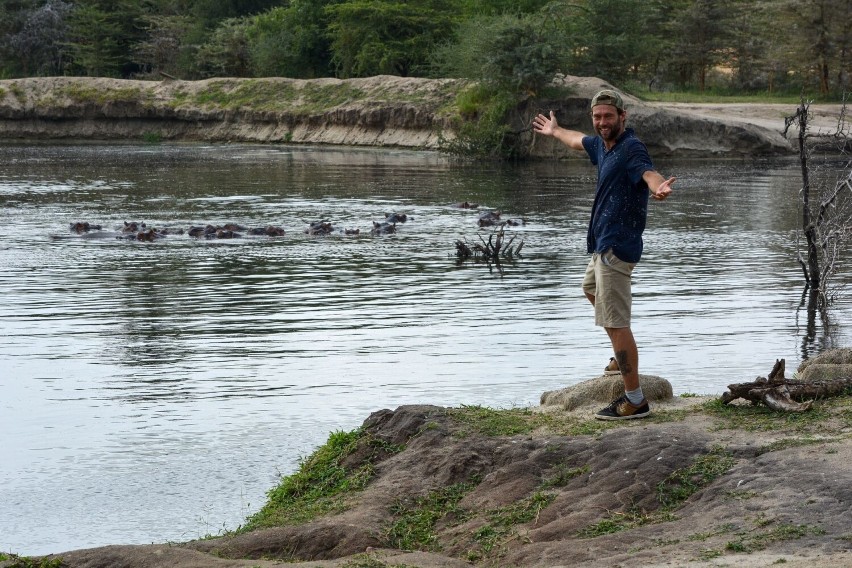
544,125
664,189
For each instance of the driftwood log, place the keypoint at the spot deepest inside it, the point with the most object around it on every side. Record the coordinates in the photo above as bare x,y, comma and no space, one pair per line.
779,393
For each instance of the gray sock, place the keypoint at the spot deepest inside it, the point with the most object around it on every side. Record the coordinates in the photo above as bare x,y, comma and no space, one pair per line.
635,396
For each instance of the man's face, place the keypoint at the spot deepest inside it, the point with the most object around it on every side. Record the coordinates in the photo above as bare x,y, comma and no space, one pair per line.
608,123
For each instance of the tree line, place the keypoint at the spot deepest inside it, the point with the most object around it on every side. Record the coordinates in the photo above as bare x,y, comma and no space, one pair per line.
724,46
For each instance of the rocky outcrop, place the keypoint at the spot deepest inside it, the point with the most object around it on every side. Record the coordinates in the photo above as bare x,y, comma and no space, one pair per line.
375,111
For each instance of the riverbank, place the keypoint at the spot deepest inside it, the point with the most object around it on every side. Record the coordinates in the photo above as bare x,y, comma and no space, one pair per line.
698,483
383,111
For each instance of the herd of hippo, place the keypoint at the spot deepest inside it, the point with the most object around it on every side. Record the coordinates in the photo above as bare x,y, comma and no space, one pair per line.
138,231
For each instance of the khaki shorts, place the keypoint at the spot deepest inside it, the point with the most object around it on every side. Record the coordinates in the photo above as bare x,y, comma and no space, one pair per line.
608,280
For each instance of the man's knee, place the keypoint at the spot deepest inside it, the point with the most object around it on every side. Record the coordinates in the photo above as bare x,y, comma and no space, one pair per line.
591,298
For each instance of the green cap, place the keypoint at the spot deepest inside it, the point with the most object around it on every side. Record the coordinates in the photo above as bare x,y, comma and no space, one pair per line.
608,97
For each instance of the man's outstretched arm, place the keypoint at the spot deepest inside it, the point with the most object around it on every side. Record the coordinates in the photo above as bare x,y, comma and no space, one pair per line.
660,187
549,127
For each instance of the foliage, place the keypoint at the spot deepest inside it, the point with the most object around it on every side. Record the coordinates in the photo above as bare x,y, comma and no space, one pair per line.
15,561
727,46
671,494
321,482
377,37
415,521
481,129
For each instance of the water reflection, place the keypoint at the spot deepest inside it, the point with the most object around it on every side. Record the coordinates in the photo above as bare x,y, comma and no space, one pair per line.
154,391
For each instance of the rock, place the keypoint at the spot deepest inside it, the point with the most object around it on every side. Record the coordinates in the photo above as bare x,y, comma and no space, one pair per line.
825,371
605,389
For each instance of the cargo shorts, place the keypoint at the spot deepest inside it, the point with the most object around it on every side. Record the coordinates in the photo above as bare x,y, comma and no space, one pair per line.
608,280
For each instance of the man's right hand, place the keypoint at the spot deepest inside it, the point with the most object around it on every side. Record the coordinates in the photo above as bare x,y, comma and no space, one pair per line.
544,125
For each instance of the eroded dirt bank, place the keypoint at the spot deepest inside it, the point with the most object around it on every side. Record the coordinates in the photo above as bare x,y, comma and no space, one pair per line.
375,111
694,485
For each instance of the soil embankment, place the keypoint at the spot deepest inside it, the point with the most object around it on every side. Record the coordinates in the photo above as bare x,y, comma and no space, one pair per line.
375,111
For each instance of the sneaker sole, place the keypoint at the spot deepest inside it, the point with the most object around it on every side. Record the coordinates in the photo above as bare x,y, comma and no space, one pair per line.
610,373
631,417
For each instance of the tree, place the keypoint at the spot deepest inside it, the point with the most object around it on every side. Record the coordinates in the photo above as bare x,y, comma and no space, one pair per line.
227,52
609,37
700,29
103,34
826,206
38,45
373,37
291,41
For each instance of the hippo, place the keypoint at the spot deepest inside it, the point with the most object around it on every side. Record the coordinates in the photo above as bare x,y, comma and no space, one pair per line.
133,227
84,227
467,205
489,218
395,218
515,222
214,232
320,228
269,231
383,228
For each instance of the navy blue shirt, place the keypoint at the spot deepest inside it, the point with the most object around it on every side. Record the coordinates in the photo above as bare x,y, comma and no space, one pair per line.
620,209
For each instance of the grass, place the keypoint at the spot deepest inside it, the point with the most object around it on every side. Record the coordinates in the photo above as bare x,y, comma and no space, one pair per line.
760,539
514,421
322,482
15,561
825,417
414,528
671,493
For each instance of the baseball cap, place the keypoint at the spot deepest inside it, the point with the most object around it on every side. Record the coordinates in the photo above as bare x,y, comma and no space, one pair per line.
608,97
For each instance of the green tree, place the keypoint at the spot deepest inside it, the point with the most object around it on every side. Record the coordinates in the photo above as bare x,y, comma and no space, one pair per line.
373,37
35,43
292,41
609,38
103,34
701,32
226,52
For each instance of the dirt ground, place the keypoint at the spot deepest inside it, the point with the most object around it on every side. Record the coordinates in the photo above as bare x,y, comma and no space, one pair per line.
785,496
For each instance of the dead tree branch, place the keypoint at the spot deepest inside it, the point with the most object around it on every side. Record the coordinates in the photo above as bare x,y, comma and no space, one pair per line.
787,395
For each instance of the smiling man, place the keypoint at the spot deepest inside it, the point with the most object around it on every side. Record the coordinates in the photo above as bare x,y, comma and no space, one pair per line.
626,177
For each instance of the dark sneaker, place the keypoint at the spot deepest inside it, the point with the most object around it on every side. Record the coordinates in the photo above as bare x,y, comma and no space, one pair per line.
622,409
612,368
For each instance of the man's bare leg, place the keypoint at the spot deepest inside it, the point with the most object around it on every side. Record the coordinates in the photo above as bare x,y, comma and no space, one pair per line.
626,354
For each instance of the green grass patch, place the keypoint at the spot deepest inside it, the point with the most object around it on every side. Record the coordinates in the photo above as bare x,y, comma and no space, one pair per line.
760,539
322,482
414,528
503,520
760,418
671,493
563,475
15,561
264,95
19,92
84,93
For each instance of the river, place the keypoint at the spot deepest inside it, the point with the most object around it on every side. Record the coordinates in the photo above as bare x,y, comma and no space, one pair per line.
154,391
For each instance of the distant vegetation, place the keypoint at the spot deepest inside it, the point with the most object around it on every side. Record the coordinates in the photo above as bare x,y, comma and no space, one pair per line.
650,46
657,49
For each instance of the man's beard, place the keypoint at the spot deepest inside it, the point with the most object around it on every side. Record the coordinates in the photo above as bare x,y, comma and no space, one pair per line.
614,133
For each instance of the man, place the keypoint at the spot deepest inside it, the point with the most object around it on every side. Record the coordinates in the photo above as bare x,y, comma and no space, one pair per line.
626,176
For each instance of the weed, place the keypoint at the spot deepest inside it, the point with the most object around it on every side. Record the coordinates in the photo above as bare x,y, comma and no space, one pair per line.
564,475
414,528
503,520
29,562
671,493
682,483
321,482
152,138
510,422
754,418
